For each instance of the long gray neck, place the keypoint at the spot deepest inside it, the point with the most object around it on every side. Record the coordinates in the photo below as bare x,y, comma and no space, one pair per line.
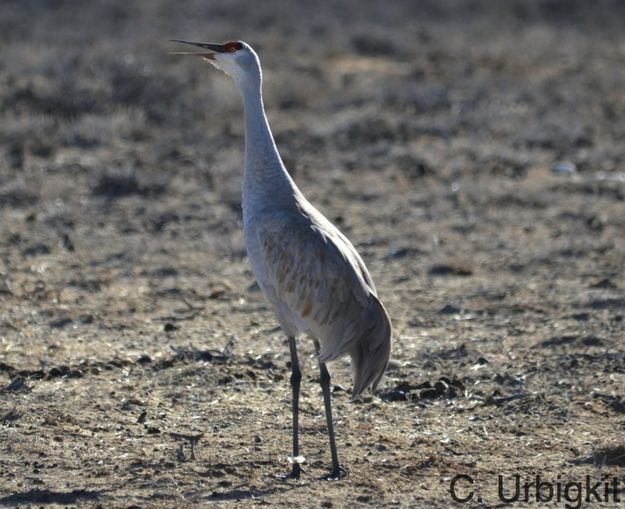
266,183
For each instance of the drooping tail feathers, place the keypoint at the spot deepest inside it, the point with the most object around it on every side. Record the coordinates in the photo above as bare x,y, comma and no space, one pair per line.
371,352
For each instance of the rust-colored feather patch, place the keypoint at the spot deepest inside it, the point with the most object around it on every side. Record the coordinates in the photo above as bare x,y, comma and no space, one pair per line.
307,309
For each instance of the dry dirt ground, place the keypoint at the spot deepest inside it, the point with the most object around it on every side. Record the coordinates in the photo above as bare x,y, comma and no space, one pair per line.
472,150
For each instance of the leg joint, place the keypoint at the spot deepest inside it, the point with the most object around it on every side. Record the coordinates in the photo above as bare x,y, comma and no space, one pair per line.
325,375
296,375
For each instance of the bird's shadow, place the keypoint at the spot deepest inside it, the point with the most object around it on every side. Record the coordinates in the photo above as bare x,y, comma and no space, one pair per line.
36,496
245,491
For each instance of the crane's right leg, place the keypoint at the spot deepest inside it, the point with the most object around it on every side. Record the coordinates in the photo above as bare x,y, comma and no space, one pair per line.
296,377
337,471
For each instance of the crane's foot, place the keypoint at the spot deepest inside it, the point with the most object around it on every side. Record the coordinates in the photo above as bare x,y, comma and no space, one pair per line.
337,474
294,474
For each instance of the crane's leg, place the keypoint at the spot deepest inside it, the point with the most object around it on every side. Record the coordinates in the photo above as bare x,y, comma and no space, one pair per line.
296,377
335,474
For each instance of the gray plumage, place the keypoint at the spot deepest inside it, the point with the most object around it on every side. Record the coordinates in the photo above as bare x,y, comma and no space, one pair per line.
309,271
319,285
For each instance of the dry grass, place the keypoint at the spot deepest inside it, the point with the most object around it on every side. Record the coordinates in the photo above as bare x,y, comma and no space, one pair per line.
427,132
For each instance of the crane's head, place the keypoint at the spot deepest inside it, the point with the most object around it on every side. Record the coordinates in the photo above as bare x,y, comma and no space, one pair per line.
235,58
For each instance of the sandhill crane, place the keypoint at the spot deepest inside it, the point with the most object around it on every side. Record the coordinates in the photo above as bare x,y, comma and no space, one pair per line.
308,270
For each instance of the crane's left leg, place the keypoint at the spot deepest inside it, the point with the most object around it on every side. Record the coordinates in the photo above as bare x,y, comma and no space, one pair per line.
296,377
336,472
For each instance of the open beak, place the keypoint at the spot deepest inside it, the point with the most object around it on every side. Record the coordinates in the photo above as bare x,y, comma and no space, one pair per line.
212,49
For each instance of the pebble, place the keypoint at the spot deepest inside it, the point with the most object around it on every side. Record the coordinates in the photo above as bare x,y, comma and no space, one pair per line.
564,168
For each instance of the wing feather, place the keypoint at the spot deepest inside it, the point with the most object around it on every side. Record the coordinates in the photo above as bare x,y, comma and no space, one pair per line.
320,277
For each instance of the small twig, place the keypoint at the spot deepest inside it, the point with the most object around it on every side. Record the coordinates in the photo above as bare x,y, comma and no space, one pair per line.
175,318
504,399
180,453
192,439
227,350
191,306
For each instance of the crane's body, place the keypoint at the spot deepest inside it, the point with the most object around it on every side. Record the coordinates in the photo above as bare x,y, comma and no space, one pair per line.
318,285
307,269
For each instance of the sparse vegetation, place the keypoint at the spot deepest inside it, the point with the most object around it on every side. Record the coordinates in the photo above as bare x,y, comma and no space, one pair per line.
139,365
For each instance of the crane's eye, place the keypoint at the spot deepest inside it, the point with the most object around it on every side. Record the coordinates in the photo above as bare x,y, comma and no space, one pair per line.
231,47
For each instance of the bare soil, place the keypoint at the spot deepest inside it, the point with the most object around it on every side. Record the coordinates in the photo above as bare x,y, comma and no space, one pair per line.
473,152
